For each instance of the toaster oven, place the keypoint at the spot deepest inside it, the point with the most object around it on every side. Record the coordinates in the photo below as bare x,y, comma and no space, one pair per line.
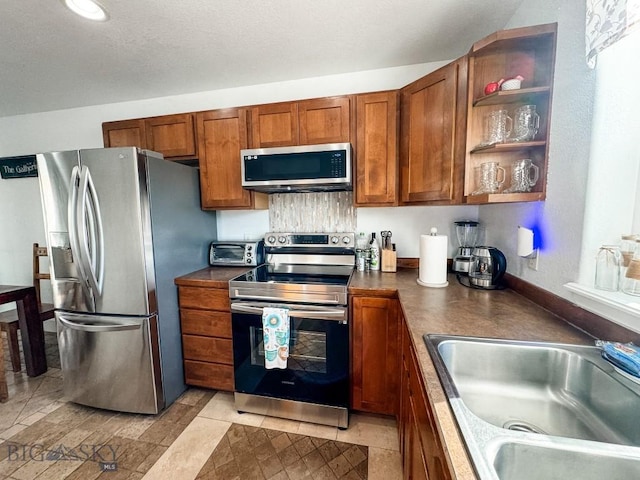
236,253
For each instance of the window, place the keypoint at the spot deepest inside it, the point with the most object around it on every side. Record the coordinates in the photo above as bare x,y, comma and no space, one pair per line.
613,192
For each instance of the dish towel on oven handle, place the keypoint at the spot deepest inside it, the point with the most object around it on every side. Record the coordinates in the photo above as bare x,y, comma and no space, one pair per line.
275,328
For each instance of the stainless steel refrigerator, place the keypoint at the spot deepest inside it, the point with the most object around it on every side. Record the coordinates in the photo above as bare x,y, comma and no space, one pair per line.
121,224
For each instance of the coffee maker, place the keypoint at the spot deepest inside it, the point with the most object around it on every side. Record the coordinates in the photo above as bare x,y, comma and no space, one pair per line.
467,234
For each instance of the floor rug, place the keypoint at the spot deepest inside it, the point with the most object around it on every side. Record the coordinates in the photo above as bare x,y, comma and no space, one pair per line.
248,453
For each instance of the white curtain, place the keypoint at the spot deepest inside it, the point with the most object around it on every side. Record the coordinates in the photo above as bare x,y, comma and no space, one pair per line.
607,22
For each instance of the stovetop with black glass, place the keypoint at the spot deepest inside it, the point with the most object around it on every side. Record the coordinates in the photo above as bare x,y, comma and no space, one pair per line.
300,268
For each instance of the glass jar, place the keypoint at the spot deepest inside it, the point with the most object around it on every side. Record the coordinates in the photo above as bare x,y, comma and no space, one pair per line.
631,279
608,268
627,249
361,252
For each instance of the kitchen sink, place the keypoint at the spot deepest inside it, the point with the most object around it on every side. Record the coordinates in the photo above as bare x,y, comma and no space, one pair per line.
513,394
528,461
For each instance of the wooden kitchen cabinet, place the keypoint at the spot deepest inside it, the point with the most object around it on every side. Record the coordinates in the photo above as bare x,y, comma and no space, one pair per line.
306,122
221,136
375,361
530,53
421,449
432,136
207,348
124,133
376,182
274,125
171,135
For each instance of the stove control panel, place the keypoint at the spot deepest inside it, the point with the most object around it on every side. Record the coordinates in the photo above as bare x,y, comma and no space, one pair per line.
337,239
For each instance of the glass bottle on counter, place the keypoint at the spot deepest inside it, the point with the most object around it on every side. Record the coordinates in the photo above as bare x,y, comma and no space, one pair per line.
374,253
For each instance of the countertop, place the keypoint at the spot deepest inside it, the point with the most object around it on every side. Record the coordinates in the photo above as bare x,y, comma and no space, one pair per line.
453,310
211,277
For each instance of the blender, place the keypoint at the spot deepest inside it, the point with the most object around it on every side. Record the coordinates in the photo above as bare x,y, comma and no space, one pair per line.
467,233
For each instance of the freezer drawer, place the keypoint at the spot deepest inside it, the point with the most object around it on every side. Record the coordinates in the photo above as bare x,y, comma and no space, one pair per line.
110,362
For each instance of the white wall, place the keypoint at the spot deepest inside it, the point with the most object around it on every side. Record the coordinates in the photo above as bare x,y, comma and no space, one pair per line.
560,218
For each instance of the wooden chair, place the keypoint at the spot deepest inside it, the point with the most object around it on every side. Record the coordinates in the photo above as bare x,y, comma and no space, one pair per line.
9,319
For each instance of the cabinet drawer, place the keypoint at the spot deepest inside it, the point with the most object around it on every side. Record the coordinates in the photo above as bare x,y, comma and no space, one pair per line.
204,298
209,375
207,349
206,322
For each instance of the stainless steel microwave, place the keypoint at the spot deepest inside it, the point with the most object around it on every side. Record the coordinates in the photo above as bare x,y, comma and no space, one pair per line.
304,168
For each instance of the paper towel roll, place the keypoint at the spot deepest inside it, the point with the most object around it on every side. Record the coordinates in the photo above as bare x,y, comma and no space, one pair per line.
433,261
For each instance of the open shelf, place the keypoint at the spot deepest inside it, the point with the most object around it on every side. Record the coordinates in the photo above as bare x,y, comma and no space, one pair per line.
505,197
521,95
509,147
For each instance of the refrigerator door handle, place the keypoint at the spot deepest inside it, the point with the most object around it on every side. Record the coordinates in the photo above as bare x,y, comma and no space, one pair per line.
101,325
91,233
74,235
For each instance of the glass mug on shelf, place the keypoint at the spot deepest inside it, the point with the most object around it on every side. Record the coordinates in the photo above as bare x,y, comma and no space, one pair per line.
524,175
491,178
497,128
526,123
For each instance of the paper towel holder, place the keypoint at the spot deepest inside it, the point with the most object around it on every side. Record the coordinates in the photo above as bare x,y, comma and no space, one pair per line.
433,271
526,244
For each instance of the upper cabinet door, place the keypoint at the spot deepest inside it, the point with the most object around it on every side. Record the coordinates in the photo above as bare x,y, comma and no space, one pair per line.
377,152
171,135
274,125
324,120
124,133
431,165
221,135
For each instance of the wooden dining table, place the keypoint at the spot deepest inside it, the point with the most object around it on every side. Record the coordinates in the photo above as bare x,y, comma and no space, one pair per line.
30,326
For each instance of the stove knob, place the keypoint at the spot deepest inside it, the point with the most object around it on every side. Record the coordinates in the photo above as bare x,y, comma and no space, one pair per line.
346,240
334,240
282,239
271,239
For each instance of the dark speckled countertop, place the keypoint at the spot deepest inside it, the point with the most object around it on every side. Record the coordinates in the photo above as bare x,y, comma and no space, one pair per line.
453,310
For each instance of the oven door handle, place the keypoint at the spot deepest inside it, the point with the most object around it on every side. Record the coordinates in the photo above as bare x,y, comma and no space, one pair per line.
338,314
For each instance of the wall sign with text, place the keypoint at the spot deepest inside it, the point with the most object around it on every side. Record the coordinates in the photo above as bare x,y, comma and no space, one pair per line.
18,167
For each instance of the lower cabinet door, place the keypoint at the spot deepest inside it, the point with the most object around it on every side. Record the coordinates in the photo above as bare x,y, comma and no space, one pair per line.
209,375
374,355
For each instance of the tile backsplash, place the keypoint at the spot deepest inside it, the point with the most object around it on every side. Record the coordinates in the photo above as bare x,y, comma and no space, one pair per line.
312,212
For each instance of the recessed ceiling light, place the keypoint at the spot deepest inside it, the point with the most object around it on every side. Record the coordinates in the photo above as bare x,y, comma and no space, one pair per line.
87,9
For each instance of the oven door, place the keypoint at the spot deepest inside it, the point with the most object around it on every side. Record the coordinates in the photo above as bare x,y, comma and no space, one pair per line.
318,364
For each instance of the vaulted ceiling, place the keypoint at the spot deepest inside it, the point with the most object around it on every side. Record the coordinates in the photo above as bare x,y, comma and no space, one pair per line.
51,59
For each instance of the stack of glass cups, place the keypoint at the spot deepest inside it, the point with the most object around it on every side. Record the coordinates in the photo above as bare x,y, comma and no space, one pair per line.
631,277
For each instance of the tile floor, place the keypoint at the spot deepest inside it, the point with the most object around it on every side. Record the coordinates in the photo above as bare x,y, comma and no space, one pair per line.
45,437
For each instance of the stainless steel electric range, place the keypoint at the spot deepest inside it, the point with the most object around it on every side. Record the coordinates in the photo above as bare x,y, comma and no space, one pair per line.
307,274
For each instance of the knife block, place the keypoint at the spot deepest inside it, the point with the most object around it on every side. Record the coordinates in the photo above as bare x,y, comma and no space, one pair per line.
388,260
